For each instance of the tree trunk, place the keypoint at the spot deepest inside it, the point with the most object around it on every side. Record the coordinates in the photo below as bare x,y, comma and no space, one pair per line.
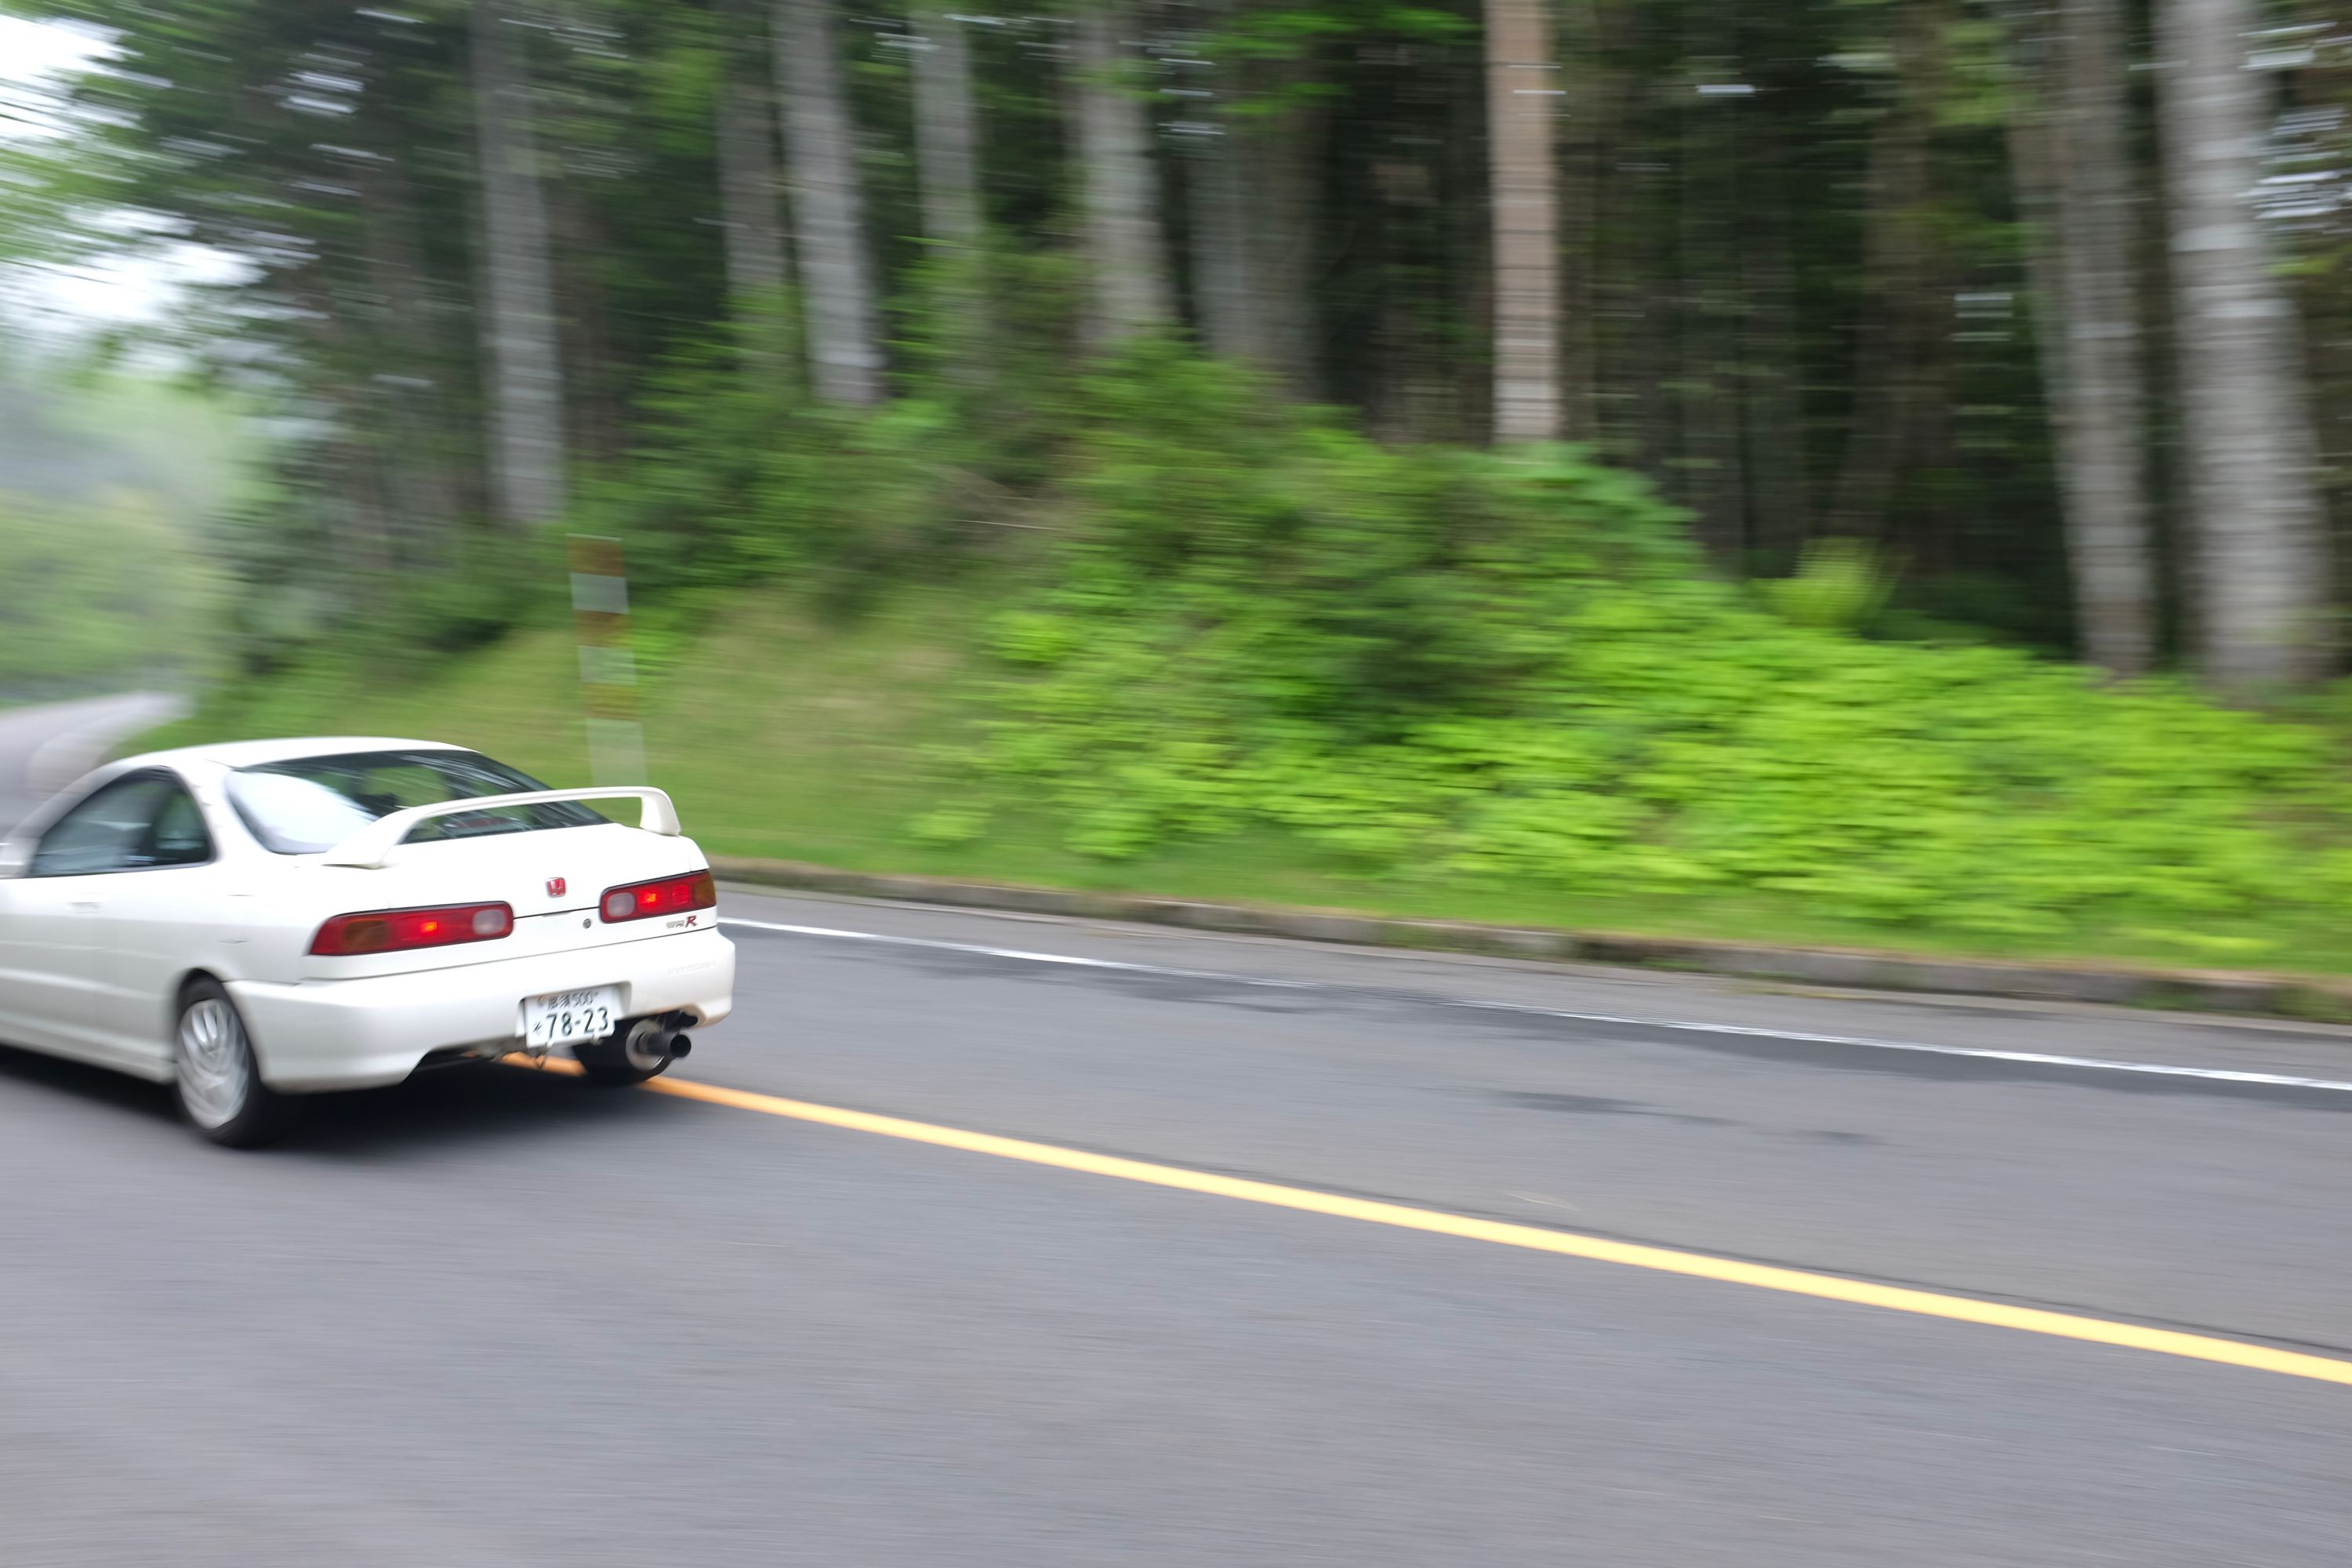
1711,320
1413,215
1224,288
1522,86
425,505
1253,212
2254,509
1122,186
2073,173
525,378
595,375
2103,449
821,147
1584,154
1283,167
2037,165
1772,413
1627,416
747,164
1897,341
946,129
1216,187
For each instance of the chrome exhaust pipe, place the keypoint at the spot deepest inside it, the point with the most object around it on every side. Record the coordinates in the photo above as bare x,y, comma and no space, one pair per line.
651,1045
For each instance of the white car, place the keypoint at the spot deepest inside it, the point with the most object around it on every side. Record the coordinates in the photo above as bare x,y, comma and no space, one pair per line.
265,920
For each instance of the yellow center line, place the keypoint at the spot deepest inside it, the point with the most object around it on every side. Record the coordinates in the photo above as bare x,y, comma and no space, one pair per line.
1533,1238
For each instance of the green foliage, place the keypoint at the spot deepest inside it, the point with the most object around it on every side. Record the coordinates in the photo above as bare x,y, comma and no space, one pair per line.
1748,219
1839,586
1434,664
1440,664
98,592
739,472
742,476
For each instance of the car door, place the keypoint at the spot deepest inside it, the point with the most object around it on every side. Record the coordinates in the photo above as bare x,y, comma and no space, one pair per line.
50,917
48,927
168,911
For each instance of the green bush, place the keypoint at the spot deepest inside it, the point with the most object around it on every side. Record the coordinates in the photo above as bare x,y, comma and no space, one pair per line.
740,473
1838,586
1439,663
96,592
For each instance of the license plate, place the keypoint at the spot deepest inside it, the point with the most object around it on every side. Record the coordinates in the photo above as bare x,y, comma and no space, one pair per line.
569,1017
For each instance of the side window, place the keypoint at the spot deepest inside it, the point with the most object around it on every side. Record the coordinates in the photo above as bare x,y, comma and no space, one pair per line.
180,837
103,833
147,819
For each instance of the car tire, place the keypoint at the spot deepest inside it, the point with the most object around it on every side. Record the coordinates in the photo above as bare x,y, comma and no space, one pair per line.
615,1062
217,1077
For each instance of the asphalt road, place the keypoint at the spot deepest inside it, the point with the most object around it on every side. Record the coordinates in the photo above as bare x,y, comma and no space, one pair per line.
47,747
499,1318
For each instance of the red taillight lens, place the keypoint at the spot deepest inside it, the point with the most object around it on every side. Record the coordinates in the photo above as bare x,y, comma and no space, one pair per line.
397,930
671,895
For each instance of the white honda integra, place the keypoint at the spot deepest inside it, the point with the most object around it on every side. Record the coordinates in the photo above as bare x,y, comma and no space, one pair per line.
261,921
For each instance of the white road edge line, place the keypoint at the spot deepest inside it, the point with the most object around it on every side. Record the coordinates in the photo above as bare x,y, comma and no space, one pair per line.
1063,958
2033,1059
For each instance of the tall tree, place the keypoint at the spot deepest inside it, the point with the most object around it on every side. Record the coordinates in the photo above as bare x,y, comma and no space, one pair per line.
749,203
1251,186
525,387
2036,147
1224,284
1216,188
1125,251
1587,148
2262,552
1711,297
423,473
2071,161
946,128
1522,86
2101,433
828,206
1771,403
1899,340
1287,149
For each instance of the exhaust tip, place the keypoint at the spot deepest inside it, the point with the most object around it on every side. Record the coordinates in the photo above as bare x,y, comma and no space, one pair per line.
651,1046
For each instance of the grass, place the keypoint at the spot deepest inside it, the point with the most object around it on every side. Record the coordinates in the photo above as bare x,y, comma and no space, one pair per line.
788,735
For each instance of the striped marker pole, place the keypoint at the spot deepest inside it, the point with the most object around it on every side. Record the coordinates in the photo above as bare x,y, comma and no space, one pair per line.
608,671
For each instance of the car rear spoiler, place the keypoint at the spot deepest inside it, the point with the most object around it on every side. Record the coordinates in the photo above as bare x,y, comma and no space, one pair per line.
371,845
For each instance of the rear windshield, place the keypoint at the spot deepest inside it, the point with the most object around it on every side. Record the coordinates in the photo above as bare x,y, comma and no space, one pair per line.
312,804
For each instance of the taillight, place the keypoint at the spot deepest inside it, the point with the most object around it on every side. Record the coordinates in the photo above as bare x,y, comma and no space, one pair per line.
397,930
643,900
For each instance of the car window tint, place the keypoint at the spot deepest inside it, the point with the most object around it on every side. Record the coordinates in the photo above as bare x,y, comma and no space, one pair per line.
312,804
180,837
405,785
110,831
296,816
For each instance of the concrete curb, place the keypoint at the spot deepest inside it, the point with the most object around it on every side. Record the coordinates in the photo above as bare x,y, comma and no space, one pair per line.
2190,990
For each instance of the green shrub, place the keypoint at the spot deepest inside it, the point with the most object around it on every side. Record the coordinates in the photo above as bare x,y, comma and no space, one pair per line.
1838,586
740,473
1438,663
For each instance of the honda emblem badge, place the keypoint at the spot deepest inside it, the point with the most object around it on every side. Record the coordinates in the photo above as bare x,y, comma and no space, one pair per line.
555,886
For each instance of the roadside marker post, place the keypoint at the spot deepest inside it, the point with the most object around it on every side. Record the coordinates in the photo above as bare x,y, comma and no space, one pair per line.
608,670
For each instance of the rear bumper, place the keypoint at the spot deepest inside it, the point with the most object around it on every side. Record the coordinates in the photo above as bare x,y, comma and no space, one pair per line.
359,1034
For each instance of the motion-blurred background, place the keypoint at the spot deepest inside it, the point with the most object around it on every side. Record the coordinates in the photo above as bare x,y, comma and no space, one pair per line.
1866,470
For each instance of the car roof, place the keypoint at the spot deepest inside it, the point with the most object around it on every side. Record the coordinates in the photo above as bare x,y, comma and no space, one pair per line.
256,753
